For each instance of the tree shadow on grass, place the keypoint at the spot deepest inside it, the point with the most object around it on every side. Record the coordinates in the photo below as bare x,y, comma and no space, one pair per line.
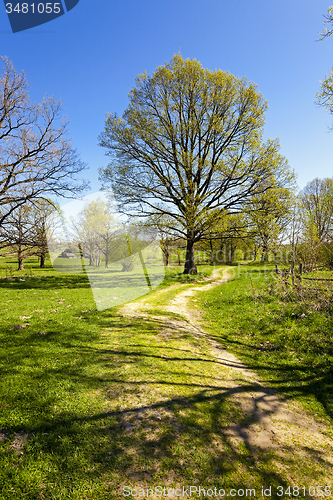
287,374
293,353
100,417
110,280
46,282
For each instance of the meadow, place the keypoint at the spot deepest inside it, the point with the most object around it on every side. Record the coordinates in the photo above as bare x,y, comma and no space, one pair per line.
282,332
93,401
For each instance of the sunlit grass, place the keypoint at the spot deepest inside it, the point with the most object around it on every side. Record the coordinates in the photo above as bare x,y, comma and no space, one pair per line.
286,342
92,401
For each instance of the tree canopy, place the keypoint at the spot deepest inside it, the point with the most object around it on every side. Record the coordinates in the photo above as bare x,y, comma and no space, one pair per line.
189,149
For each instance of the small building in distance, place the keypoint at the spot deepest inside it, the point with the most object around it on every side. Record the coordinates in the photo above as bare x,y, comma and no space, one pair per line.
67,254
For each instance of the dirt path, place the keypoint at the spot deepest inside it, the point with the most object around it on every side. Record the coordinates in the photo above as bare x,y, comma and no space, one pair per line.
271,424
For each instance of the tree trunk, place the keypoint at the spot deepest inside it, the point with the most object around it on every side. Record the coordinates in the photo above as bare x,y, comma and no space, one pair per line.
231,253
178,255
20,264
190,267
20,258
167,255
292,268
264,257
211,253
107,254
265,250
42,260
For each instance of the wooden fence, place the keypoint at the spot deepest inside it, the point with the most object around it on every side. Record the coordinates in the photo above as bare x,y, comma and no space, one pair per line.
300,276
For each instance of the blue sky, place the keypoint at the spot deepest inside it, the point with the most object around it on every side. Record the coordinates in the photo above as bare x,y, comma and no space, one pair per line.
90,57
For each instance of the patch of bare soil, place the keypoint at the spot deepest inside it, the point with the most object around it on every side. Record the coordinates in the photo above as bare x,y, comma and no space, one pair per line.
271,424
19,442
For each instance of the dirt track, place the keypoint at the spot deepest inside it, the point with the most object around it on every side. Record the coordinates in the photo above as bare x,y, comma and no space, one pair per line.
270,423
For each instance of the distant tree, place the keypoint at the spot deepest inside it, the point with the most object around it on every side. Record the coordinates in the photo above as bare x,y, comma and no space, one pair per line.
209,245
36,156
165,242
27,230
45,224
231,235
316,213
95,229
189,147
317,208
17,232
162,225
269,215
294,235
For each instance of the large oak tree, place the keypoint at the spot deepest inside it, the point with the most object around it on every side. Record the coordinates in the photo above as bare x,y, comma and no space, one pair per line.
189,149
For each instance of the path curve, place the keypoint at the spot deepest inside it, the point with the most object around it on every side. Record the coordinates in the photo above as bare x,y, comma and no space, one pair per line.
270,423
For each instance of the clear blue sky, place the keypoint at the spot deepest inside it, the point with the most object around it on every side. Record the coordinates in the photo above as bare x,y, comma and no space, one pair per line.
90,57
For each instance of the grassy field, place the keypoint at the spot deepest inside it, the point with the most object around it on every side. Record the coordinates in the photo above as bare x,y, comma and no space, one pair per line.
92,401
283,334
73,379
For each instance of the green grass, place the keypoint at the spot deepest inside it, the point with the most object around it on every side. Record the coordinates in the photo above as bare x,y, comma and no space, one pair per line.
286,342
92,401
